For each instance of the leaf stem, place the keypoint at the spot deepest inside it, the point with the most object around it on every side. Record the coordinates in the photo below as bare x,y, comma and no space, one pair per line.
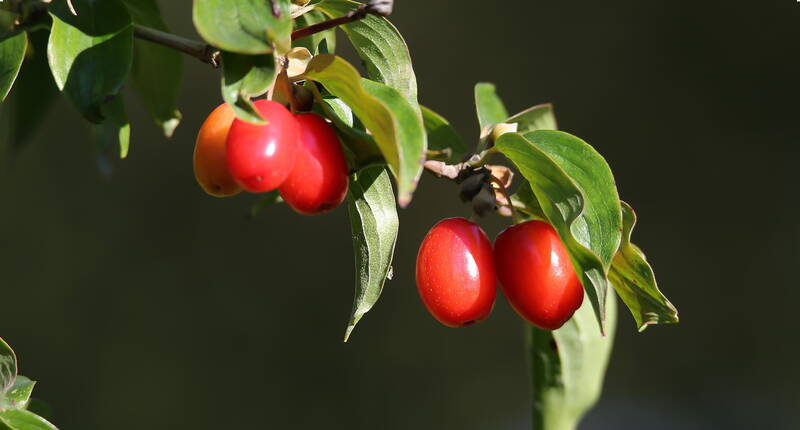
375,7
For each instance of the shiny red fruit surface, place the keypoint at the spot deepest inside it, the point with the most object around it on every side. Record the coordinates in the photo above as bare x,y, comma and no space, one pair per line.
455,273
260,157
318,182
536,274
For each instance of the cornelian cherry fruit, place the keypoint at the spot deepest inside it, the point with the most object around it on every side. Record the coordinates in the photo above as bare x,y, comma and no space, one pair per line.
318,182
210,165
455,273
536,274
261,156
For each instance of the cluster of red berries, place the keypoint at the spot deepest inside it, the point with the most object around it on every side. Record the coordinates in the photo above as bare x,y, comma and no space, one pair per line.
298,154
456,270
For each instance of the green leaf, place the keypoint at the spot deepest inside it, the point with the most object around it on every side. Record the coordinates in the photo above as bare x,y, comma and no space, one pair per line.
244,26
157,70
265,200
599,227
19,419
12,52
490,108
323,42
568,366
361,148
115,129
572,185
90,54
245,76
374,224
441,135
33,93
19,394
633,279
539,117
397,129
526,203
380,46
8,367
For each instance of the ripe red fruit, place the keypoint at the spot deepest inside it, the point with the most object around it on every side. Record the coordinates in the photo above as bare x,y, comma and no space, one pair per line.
455,273
318,182
260,157
210,165
536,274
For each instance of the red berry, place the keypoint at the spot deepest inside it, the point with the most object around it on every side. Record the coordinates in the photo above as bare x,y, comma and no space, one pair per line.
455,273
318,182
210,164
260,157
536,274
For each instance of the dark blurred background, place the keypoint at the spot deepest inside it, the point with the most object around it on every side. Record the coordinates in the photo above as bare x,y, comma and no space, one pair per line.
140,302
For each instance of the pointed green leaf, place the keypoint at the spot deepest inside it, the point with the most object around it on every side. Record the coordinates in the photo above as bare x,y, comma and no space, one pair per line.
90,54
633,279
539,117
8,367
583,221
157,70
19,394
599,227
33,93
397,129
488,105
244,26
243,77
374,223
20,419
441,135
568,366
12,52
323,42
380,46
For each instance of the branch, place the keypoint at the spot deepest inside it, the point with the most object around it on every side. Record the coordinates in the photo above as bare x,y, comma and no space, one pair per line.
453,171
375,7
202,51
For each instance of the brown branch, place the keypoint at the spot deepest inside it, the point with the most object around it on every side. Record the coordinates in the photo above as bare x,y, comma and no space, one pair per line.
202,51
375,7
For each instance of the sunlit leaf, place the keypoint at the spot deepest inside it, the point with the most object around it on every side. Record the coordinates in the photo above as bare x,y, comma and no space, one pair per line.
633,279
394,124
488,105
539,117
12,52
380,46
576,192
20,393
374,224
20,419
